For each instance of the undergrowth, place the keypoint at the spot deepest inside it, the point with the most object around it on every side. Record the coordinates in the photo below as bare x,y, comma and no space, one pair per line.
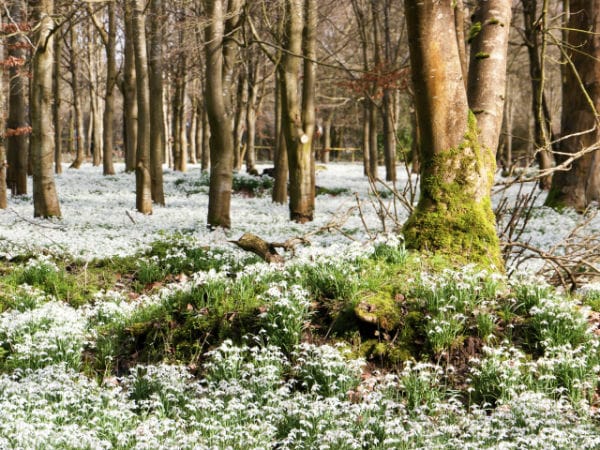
371,348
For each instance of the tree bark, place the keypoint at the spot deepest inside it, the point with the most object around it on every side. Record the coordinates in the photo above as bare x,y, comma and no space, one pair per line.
454,214
280,189
109,101
45,199
77,110
220,53
3,163
143,182
543,136
56,93
157,120
486,89
299,114
17,123
579,186
130,109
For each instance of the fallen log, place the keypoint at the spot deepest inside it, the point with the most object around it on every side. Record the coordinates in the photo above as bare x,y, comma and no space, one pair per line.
253,243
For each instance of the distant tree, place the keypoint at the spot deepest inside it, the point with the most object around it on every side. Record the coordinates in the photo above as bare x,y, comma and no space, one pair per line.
78,113
579,186
130,109
3,164
45,199
454,214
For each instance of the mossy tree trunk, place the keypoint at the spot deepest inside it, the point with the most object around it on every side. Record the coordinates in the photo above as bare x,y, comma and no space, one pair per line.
580,186
454,214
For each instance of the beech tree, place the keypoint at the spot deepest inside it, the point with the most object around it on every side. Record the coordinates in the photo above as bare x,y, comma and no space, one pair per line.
221,49
579,186
17,124
143,179
45,199
298,111
454,214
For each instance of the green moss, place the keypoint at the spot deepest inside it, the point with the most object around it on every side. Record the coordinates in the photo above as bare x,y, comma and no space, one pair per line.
474,31
482,55
379,309
453,217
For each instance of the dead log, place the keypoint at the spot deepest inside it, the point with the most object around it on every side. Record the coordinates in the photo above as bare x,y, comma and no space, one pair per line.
252,243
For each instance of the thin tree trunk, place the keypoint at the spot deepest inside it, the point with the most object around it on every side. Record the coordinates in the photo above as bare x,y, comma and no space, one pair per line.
45,199
95,101
205,160
56,93
130,108
143,182
157,128
110,39
3,163
239,120
251,107
78,112
280,189
17,125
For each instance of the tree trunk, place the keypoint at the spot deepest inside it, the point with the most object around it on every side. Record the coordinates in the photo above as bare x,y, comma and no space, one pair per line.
17,124
327,136
109,101
251,107
143,182
299,114
157,128
77,111
178,112
454,214
366,138
96,119
130,108
580,186
373,142
543,136
280,189
220,53
56,94
389,133
205,159
45,199
239,121
3,163
486,89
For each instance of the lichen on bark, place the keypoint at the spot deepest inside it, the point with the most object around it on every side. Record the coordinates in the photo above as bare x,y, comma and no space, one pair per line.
454,215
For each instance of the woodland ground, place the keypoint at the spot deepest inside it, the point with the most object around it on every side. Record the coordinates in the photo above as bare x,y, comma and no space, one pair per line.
119,330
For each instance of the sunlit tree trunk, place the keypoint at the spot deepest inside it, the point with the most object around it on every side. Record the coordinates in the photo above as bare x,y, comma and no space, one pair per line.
251,108
45,199
96,119
454,214
17,123
178,124
221,50
157,127
205,159
239,120
130,109
299,113
143,182
580,186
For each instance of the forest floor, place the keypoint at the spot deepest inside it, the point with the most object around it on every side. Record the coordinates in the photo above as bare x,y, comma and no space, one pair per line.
120,330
